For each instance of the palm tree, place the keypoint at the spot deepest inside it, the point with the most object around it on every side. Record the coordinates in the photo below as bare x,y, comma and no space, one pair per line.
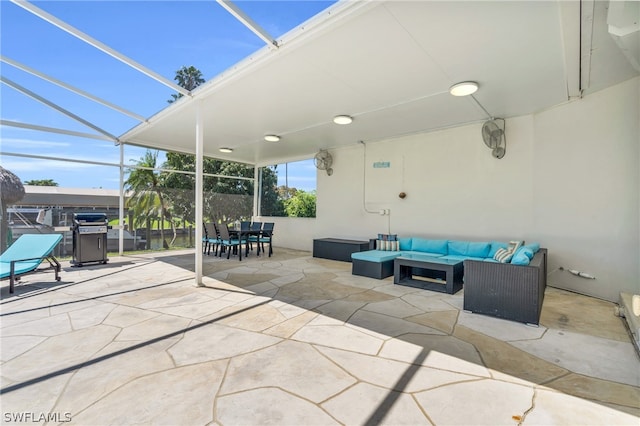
147,201
189,78
11,191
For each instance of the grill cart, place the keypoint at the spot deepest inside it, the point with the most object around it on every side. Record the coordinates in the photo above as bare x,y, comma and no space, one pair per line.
89,238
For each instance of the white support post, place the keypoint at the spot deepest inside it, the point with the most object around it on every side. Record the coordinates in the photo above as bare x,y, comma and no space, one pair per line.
121,203
256,191
199,191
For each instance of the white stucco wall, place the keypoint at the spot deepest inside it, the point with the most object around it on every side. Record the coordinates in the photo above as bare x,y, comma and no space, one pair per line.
569,180
292,232
587,194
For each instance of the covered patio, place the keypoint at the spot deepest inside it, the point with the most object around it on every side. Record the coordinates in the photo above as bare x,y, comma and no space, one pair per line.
294,339
184,338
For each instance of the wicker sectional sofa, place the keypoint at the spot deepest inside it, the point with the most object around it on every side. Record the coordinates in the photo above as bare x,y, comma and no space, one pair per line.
512,291
504,290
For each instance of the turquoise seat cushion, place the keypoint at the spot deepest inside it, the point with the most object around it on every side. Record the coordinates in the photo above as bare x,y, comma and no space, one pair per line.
533,246
375,255
34,247
20,267
469,248
490,259
422,253
461,258
495,246
429,246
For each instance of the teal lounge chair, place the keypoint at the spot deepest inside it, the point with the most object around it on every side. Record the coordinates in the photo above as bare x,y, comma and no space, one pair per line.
25,255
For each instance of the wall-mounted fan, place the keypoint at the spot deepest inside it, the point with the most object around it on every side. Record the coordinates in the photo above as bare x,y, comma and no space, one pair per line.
493,136
323,161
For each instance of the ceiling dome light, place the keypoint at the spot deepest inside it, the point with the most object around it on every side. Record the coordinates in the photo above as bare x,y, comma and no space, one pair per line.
272,138
342,119
225,150
465,88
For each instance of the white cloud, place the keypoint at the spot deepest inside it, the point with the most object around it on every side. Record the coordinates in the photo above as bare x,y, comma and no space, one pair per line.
302,178
22,165
30,143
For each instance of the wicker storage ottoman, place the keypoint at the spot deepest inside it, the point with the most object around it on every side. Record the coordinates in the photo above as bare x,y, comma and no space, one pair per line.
373,263
369,269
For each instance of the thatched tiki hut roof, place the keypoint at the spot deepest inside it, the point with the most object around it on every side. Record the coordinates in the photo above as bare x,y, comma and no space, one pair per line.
11,191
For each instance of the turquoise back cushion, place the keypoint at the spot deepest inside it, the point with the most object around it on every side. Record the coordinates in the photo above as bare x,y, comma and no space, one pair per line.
405,244
429,246
495,245
523,256
468,248
478,249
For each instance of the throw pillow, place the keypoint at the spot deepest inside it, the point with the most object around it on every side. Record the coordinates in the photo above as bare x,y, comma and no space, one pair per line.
495,246
385,245
505,255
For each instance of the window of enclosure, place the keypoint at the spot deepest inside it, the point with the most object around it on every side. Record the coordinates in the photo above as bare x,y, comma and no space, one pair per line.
288,189
159,209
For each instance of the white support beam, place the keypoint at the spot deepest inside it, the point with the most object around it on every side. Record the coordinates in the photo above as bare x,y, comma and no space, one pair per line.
53,130
199,192
98,45
248,22
121,204
256,191
46,157
58,108
71,88
587,10
570,18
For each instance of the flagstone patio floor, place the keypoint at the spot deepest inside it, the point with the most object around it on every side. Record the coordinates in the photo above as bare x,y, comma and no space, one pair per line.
295,340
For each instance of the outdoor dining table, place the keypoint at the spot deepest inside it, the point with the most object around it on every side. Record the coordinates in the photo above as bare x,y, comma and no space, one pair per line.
244,235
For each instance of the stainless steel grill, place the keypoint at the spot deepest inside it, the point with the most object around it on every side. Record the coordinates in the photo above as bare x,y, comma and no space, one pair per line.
89,238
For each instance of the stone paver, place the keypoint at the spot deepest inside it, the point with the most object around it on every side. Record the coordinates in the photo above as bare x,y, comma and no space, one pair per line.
269,407
369,404
274,367
294,340
182,395
463,404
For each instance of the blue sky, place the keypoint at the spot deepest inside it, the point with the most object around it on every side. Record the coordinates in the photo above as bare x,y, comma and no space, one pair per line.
161,35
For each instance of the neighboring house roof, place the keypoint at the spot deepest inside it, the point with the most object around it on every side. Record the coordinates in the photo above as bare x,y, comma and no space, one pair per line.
42,196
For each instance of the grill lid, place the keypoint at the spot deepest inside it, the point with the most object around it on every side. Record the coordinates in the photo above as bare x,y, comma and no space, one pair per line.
90,217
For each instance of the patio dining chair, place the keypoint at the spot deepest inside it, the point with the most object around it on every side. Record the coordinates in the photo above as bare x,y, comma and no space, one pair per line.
266,236
228,243
212,238
205,238
253,238
26,254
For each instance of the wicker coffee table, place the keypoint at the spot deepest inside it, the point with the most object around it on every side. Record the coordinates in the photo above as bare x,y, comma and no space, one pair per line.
428,273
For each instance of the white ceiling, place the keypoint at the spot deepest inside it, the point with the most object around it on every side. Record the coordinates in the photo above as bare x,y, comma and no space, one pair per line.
389,64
